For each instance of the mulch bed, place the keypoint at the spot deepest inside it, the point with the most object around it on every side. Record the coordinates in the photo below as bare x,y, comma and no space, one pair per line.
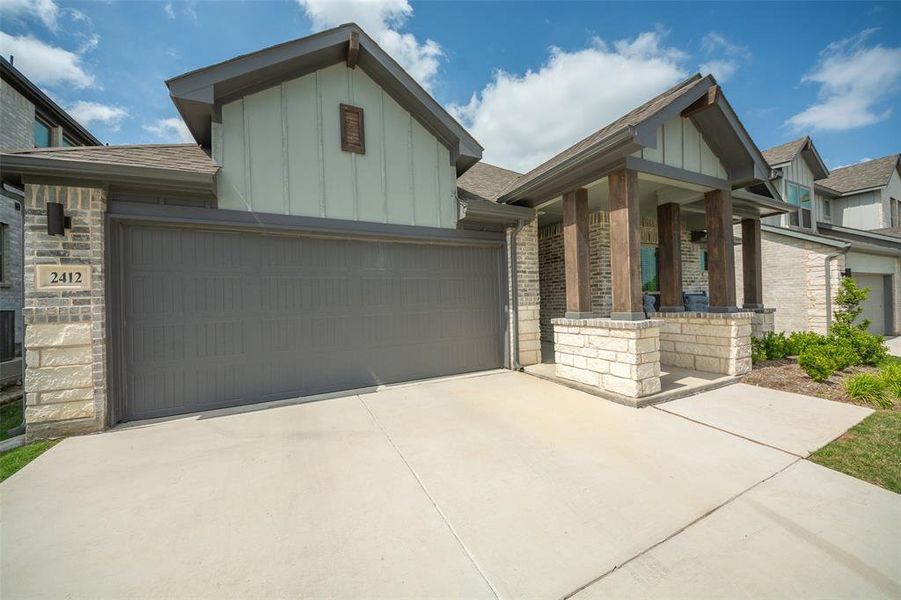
786,375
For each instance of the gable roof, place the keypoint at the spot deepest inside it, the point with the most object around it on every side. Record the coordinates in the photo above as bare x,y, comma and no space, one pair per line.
785,153
175,157
862,176
44,104
630,119
199,94
485,181
710,111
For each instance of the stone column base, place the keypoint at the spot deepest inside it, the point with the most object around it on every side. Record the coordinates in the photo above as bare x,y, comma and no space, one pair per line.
711,342
620,357
529,336
763,322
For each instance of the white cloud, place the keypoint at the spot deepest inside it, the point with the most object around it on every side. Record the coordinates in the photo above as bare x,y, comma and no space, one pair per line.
382,20
91,113
167,8
45,64
724,56
171,130
46,11
522,120
856,82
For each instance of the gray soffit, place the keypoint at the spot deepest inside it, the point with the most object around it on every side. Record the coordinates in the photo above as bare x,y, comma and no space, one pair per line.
609,147
474,210
760,205
781,155
44,104
810,237
859,236
31,167
199,94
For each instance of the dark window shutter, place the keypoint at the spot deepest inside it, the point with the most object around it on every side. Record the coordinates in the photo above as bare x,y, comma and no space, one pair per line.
352,139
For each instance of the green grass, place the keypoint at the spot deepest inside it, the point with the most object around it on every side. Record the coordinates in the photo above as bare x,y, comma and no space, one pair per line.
13,460
871,450
10,417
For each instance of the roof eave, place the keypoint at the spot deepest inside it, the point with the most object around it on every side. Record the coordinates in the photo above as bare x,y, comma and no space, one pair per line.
25,166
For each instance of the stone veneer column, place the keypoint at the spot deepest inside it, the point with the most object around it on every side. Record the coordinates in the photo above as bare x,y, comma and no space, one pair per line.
763,322
528,300
65,337
620,357
711,342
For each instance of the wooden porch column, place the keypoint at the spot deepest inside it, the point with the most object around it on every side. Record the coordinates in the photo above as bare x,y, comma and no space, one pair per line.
669,274
720,253
751,264
575,254
625,244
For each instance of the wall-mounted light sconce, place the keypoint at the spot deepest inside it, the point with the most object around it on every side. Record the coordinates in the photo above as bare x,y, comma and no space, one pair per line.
57,221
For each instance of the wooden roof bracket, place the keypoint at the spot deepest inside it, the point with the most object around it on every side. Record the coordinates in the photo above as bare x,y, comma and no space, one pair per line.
353,49
704,102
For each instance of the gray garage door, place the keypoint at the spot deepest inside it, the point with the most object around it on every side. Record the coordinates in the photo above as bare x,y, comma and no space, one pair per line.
874,306
215,318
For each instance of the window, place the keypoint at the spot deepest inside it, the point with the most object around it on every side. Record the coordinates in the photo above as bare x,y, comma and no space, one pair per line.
704,260
352,139
827,209
649,281
41,134
895,206
799,196
67,143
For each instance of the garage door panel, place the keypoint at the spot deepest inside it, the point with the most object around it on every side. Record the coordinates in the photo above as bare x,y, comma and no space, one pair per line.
214,319
874,307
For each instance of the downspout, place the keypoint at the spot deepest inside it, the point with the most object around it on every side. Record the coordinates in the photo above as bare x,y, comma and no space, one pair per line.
828,260
514,327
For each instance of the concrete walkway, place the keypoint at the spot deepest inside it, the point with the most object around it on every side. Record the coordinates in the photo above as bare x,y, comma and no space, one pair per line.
894,345
496,486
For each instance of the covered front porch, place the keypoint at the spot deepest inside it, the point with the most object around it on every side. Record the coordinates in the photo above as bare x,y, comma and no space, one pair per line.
637,265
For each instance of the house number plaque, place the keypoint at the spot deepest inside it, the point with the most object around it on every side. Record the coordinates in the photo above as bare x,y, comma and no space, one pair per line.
62,277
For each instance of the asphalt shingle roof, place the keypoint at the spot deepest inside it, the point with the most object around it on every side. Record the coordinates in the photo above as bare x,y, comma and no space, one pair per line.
632,118
870,174
785,152
485,181
177,157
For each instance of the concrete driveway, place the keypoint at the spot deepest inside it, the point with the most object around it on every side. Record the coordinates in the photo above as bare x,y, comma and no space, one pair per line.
501,485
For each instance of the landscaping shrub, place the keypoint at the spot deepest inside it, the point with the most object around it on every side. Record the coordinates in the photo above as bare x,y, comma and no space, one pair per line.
869,388
847,301
869,348
890,373
758,350
775,345
820,361
799,341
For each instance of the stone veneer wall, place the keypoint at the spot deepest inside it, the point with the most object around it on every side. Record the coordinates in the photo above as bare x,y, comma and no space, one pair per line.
553,276
528,298
620,357
11,291
17,116
711,342
794,280
763,322
65,337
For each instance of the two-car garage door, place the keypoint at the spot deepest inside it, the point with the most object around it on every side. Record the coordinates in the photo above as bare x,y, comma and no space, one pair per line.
214,318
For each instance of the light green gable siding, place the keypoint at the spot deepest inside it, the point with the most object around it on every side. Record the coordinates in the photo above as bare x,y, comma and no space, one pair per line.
681,145
280,152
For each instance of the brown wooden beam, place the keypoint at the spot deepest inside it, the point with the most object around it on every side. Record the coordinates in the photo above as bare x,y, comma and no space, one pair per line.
625,245
751,264
353,49
704,102
669,273
720,253
575,254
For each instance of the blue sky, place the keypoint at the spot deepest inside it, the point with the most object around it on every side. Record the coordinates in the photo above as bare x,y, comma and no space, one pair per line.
528,79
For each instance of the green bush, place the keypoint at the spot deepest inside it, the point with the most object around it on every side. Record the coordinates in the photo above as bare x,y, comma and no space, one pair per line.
869,388
891,377
758,351
775,345
870,349
799,341
847,301
820,361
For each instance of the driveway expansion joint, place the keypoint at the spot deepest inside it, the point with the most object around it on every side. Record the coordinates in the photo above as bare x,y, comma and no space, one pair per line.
431,498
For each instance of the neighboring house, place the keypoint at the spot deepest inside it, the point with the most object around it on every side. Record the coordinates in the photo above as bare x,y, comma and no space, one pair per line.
28,119
333,229
841,226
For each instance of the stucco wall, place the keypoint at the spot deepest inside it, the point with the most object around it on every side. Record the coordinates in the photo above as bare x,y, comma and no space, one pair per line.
553,276
280,151
17,118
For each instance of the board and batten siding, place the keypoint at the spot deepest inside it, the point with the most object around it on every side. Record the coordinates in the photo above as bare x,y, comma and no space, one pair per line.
681,145
280,151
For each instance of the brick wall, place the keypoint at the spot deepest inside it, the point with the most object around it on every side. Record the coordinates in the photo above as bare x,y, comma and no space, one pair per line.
65,374
17,116
553,277
11,288
529,294
794,280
